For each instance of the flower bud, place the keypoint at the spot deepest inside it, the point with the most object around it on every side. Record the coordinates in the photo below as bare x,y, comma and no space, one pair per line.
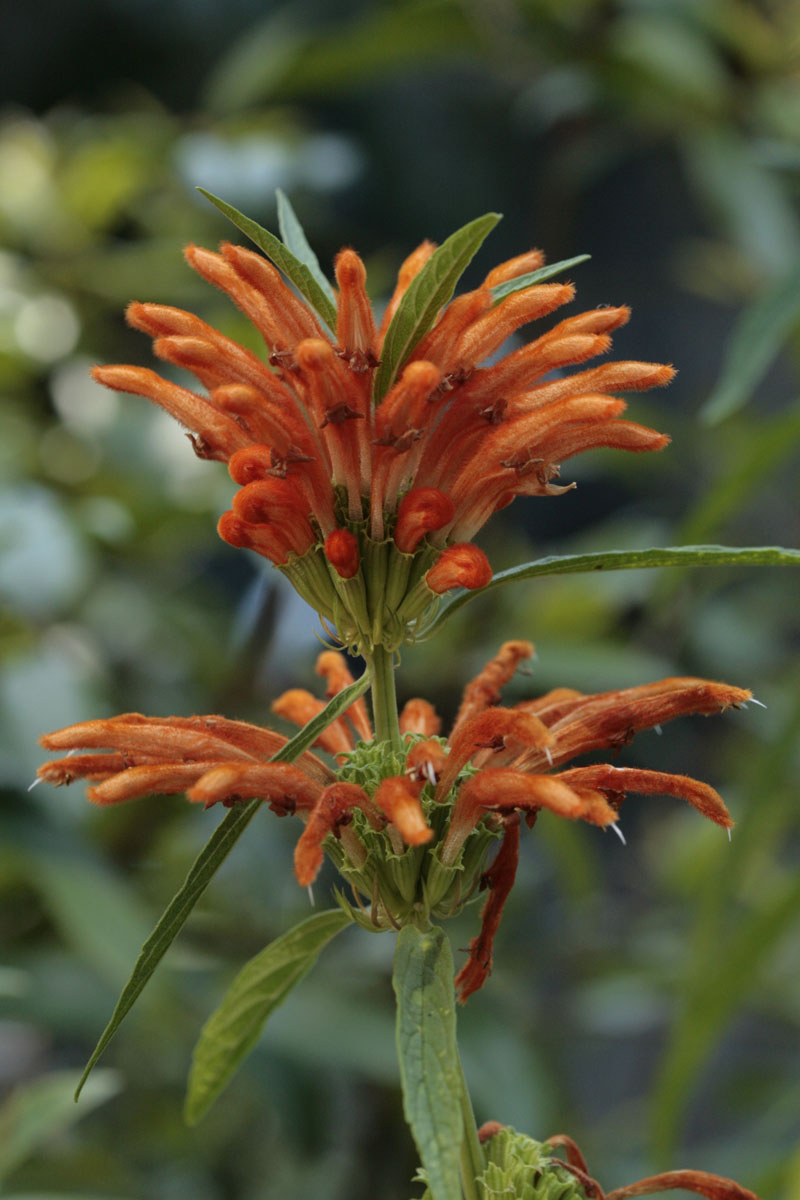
421,511
341,551
462,565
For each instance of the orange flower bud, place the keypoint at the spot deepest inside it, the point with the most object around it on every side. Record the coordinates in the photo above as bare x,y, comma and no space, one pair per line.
341,551
398,797
462,565
421,511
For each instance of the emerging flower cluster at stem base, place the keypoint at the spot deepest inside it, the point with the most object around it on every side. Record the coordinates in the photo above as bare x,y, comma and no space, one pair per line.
407,826
518,1166
368,502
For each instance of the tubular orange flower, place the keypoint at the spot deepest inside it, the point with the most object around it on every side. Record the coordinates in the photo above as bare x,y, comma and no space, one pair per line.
339,441
409,825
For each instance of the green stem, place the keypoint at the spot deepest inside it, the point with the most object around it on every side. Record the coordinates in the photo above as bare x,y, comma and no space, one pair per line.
384,696
472,1164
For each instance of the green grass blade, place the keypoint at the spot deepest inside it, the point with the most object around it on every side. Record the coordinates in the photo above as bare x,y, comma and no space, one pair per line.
756,340
624,560
263,983
426,1046
533,277
295,240
204,869
427,293
736,971
283,258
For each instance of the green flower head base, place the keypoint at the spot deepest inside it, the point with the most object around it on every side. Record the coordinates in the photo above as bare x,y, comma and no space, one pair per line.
520,1168
369,453
408,825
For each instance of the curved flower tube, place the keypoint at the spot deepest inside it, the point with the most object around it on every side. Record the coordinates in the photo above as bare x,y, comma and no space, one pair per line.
369,508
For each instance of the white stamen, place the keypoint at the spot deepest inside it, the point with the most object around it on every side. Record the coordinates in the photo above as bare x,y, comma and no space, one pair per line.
728,833
618,832
658,729
39,779
311,895
758,702
548,755
429,773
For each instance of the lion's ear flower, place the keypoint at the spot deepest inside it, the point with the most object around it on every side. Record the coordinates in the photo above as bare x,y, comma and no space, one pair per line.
409,828
337,472
512,1158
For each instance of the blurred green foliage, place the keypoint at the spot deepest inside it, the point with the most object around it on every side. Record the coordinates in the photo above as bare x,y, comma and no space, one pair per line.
645,999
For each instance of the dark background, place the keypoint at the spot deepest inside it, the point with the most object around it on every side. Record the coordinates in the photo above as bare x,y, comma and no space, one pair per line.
645,999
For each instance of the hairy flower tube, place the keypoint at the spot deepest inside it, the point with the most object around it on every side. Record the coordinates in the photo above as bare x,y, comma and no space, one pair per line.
409,827
367,457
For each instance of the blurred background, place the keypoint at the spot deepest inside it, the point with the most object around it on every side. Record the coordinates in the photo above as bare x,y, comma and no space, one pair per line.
645,998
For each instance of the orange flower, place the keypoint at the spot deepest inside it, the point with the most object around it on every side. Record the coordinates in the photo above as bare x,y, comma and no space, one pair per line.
408,828
329,468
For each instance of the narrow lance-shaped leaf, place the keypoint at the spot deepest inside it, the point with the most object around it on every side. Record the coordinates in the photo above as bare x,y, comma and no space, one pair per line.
205,867
428,1057
294,270
624,560
263,983
425,295
533,277
294,239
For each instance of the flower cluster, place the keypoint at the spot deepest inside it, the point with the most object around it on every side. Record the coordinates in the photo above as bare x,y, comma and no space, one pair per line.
368,499
517,1165
409,828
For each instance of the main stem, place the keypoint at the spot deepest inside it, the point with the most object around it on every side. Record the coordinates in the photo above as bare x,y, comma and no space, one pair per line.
384,696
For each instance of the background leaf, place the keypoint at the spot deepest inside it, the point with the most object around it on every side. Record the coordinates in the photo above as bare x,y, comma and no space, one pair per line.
758,336
231,1032
426,1045
43,1108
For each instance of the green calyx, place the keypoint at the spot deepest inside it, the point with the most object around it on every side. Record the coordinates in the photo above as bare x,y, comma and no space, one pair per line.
383,603
393,884
519,1168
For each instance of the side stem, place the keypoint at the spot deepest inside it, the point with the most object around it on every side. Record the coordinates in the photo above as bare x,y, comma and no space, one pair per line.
384,696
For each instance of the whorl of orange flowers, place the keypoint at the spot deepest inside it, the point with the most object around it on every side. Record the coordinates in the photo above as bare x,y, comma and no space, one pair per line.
451,798
326,475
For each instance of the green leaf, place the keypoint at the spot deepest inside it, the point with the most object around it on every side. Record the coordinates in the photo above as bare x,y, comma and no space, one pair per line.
233,1030
427,293
294,270
426,1046
533,277
205,867
717,993
625,560
39,1110
760,454
295,240
756,340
